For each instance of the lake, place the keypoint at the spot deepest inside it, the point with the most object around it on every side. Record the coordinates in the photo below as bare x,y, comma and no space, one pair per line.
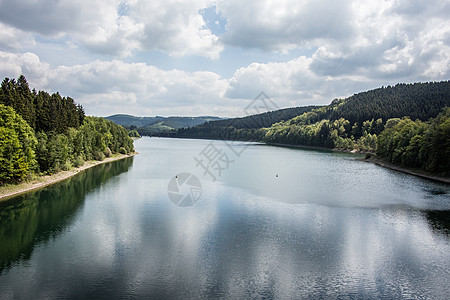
209,219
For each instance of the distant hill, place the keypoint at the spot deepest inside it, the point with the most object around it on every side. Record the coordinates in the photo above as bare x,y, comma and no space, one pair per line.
417,100
151,125
227,128
128,120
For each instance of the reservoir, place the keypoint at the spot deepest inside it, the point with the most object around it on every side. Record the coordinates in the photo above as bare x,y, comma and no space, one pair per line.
213,219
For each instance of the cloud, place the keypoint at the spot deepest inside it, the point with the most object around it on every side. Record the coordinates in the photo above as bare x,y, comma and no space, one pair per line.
12,38
291,83
284,24
44,17
13,65
377,39
107,87
176,27
302,52
117,28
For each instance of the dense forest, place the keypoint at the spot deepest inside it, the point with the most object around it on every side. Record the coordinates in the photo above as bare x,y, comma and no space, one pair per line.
378,121
43,134
244,128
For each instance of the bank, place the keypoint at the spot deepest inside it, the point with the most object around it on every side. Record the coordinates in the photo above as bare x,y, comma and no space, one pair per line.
415,172
376,160
9,191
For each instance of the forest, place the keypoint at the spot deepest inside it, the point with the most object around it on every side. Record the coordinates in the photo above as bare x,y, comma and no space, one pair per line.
43,134
406,124
244,128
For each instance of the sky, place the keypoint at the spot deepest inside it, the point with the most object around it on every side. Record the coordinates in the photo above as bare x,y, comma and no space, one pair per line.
200,57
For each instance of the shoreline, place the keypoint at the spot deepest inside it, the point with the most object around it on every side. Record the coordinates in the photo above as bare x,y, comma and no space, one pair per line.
10,191
415,172
318,148
374,160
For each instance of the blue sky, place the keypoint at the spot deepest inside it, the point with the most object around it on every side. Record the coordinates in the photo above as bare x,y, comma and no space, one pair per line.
214,57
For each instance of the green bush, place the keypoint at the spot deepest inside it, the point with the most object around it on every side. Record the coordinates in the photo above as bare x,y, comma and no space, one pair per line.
107,152
66,166
17,145
98,155
78,161
122,150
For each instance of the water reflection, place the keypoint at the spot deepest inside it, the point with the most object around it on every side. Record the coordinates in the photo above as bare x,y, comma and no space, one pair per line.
358,232
36,217
439,220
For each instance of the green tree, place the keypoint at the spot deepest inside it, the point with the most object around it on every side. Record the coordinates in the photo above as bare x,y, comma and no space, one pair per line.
17,144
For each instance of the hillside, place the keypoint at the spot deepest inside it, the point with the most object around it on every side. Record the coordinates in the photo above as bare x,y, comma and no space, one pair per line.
243,127
418,101
129,120
407,124
42,133
152,125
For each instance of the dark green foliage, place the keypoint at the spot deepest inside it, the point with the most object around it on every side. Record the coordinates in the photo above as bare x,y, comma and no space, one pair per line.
42,111
418,101
357,123
17,144
325,133
64,136
418,144
134,133
245,128
96,139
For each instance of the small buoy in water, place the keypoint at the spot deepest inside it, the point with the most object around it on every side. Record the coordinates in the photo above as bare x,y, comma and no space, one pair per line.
276,175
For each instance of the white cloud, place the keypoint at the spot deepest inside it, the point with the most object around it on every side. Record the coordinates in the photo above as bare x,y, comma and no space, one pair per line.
292,83
395,39
107,87
316,50
277,25
175,27
13,65
12,38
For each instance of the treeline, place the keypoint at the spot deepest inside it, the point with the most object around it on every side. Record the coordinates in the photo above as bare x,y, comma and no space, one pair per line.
404,142
418,144
417,100
368,122
53,133
42,111
244,128
338,134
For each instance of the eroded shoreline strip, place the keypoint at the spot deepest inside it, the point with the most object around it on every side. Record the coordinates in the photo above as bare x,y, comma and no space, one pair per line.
8,192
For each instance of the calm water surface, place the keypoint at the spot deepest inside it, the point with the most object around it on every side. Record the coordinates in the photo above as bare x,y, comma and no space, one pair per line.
278,223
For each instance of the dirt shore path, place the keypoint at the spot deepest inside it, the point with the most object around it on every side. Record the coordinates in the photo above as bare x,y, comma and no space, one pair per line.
7,192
